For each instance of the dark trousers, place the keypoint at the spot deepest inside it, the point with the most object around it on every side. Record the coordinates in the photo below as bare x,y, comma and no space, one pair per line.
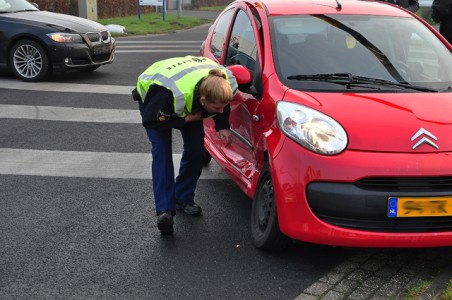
167,189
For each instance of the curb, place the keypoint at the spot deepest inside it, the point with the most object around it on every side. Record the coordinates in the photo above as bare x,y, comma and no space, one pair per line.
382,274
438,285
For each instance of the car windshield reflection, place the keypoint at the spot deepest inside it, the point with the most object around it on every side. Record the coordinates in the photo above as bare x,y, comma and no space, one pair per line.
393,49
11,6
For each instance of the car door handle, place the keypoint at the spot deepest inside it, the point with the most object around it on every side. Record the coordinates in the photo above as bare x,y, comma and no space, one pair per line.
256,118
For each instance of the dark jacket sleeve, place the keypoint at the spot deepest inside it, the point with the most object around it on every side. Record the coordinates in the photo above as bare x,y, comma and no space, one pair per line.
411,5
157,110
440,10
222,120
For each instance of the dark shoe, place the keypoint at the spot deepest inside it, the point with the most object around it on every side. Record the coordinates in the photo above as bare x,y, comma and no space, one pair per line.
189,209
165,222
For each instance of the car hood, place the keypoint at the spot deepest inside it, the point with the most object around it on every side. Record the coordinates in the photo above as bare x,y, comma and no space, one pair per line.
387,122
75,24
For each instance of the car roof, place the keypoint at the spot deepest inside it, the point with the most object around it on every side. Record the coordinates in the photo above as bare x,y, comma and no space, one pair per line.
360,7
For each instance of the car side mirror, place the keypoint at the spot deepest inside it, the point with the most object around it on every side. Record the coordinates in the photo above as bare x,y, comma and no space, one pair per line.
242,75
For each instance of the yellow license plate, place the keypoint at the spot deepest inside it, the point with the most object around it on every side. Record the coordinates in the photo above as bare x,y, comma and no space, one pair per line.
419,207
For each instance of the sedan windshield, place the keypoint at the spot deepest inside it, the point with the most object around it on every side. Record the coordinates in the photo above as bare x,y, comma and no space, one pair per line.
8,6
390,49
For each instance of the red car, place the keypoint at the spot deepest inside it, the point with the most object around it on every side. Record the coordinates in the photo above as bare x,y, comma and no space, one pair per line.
342,124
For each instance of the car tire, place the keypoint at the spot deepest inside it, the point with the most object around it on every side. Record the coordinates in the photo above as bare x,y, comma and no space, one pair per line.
264,227
29,61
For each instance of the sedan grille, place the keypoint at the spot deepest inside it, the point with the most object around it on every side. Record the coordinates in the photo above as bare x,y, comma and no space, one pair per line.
98,37
100,58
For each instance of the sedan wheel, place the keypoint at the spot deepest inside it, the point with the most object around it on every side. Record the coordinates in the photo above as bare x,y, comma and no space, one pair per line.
29,61
265,232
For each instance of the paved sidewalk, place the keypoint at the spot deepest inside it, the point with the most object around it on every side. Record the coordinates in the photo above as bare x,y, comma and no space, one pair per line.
381,274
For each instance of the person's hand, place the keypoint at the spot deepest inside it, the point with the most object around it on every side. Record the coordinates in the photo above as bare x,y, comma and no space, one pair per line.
225,136
195,117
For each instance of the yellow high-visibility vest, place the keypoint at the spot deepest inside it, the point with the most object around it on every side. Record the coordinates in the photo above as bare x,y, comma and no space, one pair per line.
180,75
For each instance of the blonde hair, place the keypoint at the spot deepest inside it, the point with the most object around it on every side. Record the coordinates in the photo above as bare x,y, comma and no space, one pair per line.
215,87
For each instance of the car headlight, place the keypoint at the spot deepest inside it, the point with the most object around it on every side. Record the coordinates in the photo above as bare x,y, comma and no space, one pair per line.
62,37
310,128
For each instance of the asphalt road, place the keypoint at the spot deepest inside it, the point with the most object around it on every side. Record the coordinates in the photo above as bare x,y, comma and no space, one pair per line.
78,220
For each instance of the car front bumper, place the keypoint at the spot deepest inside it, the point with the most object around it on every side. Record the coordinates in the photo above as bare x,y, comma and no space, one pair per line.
74,56
331,199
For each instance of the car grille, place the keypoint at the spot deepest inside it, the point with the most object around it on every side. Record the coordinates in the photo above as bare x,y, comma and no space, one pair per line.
363,205
409,184
100,45
100,57
96,37
80,61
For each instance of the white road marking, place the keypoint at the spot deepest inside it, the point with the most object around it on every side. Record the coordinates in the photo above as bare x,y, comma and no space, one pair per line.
70,114
160,50
154,46
66,87
125,46
83,163
120,42
88,164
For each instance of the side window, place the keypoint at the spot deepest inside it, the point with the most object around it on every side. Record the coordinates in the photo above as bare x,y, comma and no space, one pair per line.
219,34
242,49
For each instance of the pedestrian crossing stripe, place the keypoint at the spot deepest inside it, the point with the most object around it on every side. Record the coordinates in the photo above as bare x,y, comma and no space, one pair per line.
79,163
66,87
71,114
88,164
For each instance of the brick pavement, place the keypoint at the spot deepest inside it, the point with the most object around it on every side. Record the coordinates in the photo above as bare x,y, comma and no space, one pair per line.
384,274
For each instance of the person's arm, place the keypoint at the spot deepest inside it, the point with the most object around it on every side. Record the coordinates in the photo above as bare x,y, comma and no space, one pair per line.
413,6
223,127
222,120
440,10
157,111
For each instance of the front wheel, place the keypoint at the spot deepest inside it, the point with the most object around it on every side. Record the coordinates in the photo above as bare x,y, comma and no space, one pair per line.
265,232
29,61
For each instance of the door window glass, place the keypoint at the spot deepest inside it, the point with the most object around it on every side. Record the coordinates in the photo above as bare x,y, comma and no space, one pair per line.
242,49
219,34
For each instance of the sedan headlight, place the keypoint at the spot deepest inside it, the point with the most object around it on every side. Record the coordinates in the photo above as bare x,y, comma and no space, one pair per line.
62,37
312,129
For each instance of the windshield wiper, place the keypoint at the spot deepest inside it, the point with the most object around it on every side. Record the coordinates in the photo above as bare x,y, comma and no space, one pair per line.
348,78
341,77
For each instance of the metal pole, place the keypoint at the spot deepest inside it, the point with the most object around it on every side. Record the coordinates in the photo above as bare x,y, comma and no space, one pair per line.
163,9
179,9
139,13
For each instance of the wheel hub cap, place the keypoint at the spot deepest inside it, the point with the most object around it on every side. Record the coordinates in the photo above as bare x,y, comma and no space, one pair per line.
27,61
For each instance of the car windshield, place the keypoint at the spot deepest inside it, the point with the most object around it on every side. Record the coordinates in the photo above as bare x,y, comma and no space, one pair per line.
310,50
9,6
